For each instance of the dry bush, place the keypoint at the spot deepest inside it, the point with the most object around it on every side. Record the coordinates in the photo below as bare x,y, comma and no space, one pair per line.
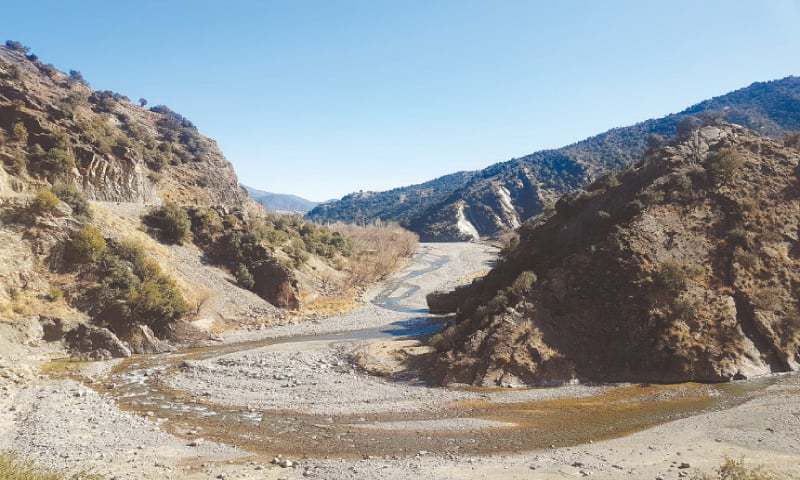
737,470
12,469
377,250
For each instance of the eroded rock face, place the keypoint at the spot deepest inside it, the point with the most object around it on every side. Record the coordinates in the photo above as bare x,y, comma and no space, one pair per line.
141,339
275,283
106,146
683,268
96,343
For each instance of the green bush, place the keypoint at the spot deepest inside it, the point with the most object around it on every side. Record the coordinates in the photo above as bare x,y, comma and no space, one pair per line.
133,288
71,196
169,223
86,246
46,201
244,278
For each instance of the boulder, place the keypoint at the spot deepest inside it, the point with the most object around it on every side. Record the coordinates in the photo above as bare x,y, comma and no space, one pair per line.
95,343
275,283
141,339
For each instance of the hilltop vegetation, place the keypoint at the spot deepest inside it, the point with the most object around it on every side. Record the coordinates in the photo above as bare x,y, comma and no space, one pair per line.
682,267
502,196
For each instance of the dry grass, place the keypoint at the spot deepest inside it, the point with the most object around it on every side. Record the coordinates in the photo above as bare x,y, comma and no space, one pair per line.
13,469
378,250
737,470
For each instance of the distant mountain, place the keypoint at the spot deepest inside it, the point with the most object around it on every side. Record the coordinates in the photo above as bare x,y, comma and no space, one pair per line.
281,202
468,205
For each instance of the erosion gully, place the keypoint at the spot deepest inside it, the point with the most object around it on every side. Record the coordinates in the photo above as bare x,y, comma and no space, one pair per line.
536,424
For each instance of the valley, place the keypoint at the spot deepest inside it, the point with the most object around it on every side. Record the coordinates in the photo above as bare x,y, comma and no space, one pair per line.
302,393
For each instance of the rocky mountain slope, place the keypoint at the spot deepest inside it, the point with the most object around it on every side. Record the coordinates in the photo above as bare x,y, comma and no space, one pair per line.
685,266
502,196
121,225
281,202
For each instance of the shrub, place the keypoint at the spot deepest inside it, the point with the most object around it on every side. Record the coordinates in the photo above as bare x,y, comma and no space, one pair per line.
674,276
135,289
244,278
54,294
16,46
58,161
737,470
157,301
746,259
723,165
86,246
142,102
169,223
687,125
768,298
13,469
20,133
76,76
45,201
524,283
70,195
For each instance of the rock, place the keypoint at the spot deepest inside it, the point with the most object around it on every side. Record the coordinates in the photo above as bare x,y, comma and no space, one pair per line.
275,283
142,340
96,343
684,465
195,443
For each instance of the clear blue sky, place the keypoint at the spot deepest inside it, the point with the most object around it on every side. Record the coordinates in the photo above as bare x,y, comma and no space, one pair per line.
320,98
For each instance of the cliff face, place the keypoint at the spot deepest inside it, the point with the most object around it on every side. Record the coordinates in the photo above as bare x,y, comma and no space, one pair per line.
498,198
684,267
58,129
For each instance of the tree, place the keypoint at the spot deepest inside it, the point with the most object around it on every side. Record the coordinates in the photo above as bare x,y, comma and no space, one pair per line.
142,102
77,76
16,46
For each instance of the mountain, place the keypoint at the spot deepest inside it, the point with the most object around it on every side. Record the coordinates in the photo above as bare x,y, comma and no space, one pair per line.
398,205
683,267
480,204
281,202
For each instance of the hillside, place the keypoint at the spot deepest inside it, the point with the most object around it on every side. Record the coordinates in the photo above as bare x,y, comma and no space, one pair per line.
504,195
280,202
683,267
122,225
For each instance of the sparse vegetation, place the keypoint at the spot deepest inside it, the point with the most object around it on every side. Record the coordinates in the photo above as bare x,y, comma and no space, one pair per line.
674,276
20,133
376,250
732,469
723,165
70,195
45,201
244,278
13,469
86,246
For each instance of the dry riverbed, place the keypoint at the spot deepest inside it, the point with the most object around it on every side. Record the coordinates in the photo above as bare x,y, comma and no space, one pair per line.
225,411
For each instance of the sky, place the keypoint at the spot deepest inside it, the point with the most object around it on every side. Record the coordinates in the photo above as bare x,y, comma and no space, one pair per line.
322,98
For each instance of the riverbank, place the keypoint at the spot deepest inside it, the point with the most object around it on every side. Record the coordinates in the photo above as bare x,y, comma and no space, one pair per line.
226,410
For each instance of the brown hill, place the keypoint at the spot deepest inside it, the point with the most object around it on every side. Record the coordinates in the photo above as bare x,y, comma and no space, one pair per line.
683,267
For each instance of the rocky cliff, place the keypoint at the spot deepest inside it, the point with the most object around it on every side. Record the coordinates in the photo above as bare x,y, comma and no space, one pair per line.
56,127
683,267
487,202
